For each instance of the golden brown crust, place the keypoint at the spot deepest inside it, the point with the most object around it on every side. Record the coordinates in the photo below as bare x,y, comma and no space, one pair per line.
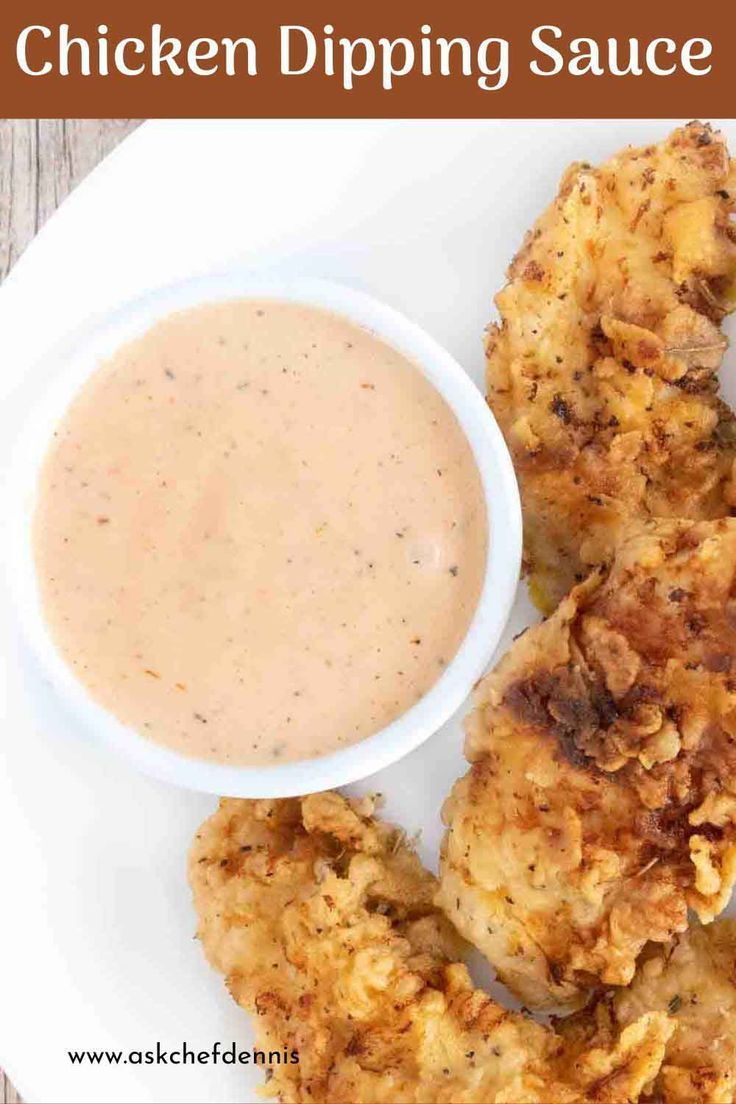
602,371
601,802
693,980
321,919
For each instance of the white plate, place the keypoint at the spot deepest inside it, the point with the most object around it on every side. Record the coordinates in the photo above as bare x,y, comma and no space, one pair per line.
96,925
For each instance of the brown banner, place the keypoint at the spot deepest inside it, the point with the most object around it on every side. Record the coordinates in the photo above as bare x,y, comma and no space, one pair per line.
318,58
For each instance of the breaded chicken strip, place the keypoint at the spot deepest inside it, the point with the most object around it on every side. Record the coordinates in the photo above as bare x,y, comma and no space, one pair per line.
602,372
321,919
601,801
694,981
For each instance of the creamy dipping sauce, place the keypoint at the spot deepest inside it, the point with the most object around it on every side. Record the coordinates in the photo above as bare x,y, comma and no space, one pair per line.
260,533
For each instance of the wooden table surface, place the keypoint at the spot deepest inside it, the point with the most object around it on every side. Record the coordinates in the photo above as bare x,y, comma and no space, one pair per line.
41,160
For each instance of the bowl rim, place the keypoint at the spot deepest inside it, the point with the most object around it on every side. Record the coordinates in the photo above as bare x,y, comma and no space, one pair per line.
70,363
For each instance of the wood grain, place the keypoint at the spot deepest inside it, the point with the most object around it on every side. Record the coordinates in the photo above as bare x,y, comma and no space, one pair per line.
8,1095
41,160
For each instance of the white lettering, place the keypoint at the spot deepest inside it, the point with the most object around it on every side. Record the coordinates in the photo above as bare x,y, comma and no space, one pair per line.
310,44
121,64
500,71
389,69
65,45
199,50
351,70
231,48
549,51
650,57
21,51
689,56
164,51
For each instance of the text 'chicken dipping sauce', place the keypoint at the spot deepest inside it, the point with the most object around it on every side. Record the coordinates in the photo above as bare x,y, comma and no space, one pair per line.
260,533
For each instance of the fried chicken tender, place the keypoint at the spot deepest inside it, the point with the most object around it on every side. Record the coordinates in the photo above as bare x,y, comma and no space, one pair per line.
601,800
322,920
602,372
694,981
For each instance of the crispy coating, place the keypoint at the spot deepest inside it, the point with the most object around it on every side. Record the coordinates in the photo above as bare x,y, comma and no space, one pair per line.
602,371
321,919
694,981
601,801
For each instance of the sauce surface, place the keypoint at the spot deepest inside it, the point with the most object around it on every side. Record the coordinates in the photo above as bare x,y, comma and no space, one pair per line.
260,533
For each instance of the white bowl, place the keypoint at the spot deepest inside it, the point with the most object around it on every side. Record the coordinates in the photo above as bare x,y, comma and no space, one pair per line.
67,368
